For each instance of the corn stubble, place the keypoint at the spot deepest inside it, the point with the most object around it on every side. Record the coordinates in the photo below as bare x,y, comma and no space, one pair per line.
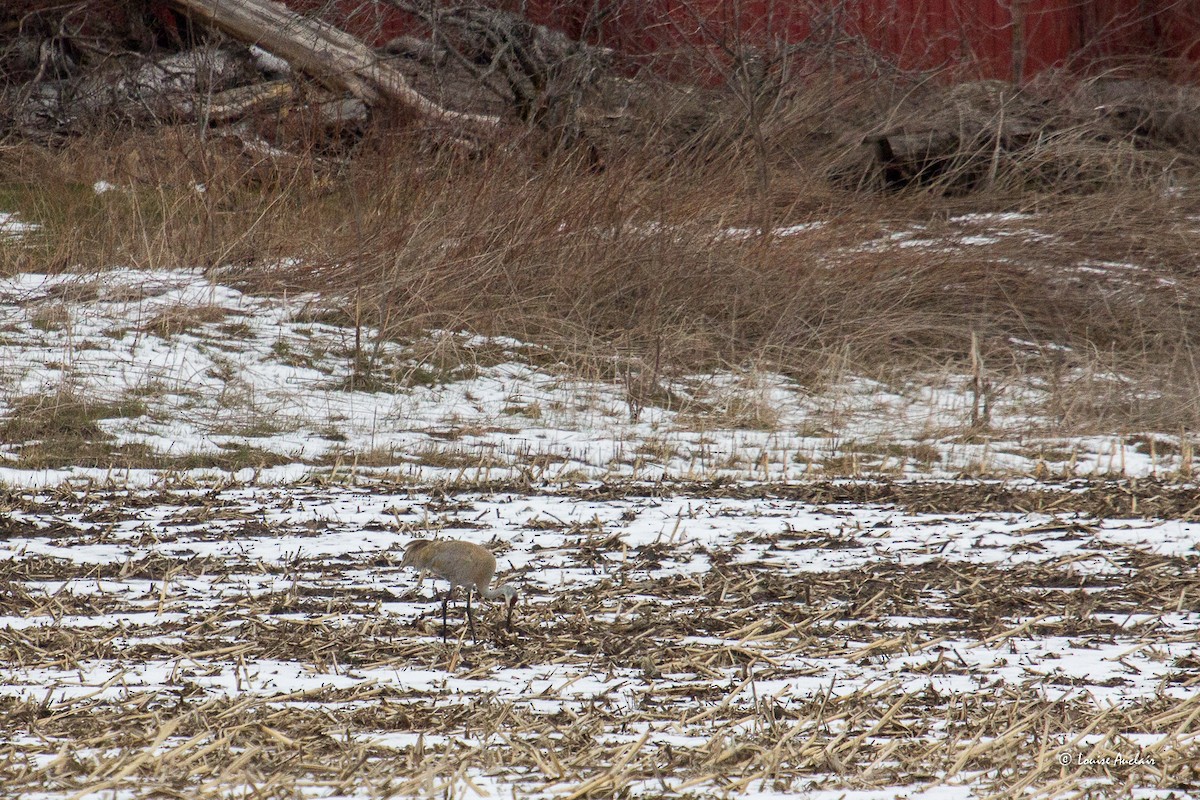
696,649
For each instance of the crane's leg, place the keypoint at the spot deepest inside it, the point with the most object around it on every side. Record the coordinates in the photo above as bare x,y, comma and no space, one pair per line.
445,602
470,620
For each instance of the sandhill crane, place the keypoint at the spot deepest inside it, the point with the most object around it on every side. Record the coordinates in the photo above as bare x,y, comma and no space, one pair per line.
461,564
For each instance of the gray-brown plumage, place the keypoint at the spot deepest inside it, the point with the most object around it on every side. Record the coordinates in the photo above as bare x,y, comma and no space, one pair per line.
463,564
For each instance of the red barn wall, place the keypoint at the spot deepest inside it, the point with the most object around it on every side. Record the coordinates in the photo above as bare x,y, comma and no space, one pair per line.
1178,27
1006,39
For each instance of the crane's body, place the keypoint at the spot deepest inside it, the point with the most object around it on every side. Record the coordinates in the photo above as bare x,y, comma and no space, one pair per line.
463,564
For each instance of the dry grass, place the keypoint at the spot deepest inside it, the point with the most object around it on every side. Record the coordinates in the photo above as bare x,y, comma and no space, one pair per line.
637,258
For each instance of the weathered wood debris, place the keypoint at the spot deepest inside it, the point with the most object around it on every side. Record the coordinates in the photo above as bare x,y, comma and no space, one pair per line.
253,56
471,74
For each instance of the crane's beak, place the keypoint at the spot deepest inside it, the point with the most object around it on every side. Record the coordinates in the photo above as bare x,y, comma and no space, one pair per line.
508,621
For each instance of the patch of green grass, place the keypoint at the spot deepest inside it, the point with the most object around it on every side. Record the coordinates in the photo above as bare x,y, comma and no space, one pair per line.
455,459
222,370
236,330
103,455
457,431
371,382
256,427
64,417
153,389
241,454
63,429
301,358
333,317
427,376
181,319
530,410
368,375
52,454
281,349
387,456
921,452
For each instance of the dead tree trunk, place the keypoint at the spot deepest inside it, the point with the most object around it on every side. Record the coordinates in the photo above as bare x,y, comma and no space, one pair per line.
328,54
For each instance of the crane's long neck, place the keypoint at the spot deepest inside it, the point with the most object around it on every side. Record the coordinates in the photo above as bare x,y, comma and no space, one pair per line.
504,590
509,593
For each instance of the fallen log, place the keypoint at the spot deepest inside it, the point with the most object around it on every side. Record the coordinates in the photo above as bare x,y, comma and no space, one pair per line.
233,104
207,85
332,56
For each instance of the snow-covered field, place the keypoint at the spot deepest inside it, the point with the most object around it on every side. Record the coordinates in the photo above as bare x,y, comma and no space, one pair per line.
668,643
183,371
756,589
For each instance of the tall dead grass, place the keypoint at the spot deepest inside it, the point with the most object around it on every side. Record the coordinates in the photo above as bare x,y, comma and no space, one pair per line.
675,255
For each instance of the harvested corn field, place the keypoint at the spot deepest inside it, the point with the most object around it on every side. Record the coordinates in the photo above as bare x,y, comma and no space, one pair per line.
839,639
838,433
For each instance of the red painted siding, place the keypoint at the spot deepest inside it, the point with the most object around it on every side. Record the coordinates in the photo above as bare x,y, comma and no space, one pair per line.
1177,27
1008,39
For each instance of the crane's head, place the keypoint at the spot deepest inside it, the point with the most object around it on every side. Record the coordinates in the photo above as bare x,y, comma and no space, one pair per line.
510,594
